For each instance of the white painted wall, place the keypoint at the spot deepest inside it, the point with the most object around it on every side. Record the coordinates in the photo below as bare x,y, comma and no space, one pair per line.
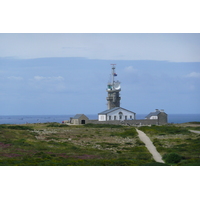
154,117
116,113
102,117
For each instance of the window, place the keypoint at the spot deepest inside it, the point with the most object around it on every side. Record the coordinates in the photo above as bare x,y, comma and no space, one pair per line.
120,115
109,117
101,118
130,116
125,117
115,117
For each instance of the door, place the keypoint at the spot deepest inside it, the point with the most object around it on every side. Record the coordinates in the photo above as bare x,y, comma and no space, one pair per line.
83,121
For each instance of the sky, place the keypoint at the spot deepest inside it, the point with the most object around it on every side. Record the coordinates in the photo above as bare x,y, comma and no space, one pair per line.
68,73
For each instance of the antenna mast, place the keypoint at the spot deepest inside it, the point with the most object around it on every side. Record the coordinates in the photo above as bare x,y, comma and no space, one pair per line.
113,72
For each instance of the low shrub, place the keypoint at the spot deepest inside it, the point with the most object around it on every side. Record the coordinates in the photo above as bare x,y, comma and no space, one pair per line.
21,142
15,127
172,158
143,156
108,145
127,133
157,142
155,164
190,162
55,124
2,126
139,142
165,129
194,128
89,125
129,143
194,122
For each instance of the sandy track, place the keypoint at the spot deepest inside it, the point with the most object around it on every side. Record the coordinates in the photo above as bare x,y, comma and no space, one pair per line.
149,145
195,131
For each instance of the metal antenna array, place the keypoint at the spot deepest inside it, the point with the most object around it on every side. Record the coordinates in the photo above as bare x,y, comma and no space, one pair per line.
113,72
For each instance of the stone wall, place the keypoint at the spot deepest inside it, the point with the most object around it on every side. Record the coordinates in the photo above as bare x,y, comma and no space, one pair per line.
129,122
162,118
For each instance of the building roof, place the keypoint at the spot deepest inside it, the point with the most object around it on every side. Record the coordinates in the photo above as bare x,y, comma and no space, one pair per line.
77,116
153,114
113,109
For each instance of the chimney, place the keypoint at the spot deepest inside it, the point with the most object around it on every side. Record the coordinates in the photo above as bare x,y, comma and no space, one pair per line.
162,110
157,110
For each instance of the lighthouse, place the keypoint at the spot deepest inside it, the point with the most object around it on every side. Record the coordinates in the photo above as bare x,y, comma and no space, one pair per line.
114,112
113,89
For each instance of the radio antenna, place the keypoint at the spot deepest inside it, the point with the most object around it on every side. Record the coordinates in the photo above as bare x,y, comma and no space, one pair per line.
113,73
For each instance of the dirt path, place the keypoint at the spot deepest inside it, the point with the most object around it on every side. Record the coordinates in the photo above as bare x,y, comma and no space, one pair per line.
195,131
149,145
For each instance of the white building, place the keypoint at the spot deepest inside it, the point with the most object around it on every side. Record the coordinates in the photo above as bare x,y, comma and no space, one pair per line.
116,113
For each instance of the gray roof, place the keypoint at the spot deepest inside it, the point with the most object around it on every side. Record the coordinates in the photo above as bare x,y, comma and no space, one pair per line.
153,114
77,116
113,109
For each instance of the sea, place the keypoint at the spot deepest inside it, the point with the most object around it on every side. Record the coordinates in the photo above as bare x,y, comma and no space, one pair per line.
29,119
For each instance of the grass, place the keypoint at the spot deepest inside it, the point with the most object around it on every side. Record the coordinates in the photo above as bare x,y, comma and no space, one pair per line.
193,128
165,129
55,145
194,123
55,124
15,127
89,125
175,142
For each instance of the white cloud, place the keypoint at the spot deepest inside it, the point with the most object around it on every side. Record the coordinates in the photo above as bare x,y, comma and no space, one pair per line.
103,46
53,78
16,78
194,75
130,69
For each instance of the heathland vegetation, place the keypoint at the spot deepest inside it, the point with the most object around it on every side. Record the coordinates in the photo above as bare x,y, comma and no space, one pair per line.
54,144
176,144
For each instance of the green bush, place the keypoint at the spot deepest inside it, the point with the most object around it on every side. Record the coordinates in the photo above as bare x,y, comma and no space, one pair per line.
194,122
172,158
155,164
157,142
21,142
3,126
55,124
108,145
15,127
190,162
89,125
127,133
139,142
164,129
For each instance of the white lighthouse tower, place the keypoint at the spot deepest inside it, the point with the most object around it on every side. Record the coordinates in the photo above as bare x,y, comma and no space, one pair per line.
113,89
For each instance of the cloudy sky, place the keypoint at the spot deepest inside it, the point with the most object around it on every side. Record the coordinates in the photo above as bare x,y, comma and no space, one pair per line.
68,73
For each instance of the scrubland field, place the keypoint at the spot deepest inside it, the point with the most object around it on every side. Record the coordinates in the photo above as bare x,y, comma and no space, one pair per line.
54,144
176,144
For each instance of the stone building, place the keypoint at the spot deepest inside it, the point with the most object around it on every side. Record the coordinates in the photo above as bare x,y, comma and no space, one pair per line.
159,115
79,119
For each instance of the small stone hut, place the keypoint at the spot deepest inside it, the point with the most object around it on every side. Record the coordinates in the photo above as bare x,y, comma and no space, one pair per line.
159,115
79,119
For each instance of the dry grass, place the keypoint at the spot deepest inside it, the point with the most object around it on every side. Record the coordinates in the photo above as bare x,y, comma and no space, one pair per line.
97,138
176,139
